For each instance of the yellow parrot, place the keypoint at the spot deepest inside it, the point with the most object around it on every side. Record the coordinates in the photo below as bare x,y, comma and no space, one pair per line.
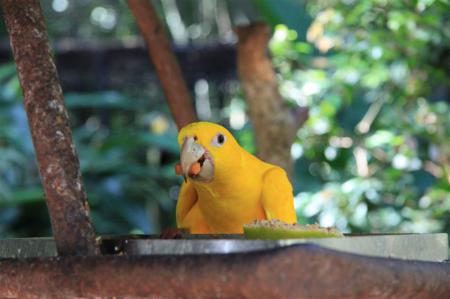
226,187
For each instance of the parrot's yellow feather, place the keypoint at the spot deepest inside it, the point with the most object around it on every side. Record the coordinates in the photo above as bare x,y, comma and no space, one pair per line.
276,196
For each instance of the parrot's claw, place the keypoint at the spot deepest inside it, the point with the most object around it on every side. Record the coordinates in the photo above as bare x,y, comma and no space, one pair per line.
172,233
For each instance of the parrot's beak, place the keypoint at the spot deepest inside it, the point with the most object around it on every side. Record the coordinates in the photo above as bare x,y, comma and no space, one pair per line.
196,163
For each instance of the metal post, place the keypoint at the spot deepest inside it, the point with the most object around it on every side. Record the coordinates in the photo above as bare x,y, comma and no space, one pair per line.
49,124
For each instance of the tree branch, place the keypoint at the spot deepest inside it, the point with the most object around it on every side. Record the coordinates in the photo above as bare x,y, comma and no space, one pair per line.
166,65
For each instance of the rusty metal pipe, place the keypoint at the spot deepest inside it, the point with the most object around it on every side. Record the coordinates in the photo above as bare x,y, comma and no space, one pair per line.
49,125
304,271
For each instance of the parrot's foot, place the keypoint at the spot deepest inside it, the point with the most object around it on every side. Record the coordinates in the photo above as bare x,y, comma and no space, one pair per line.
172,233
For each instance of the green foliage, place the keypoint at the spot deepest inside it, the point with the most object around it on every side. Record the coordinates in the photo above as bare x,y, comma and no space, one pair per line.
19,185
127,154
87,19
374,155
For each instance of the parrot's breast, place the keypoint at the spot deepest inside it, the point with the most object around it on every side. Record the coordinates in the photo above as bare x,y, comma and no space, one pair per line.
228,208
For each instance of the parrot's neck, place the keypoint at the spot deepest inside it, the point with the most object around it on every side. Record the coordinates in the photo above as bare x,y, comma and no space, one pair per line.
226,183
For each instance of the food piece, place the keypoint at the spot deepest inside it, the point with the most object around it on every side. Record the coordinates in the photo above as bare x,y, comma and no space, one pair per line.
178,169
195,169
276,229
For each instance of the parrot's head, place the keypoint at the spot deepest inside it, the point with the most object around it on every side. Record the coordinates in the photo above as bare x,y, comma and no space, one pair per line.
207,151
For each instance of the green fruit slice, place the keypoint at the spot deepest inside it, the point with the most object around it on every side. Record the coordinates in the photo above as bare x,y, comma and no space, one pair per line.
276,230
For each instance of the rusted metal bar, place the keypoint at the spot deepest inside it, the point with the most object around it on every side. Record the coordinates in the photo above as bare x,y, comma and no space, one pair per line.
304,271
165,63
275,124
49,124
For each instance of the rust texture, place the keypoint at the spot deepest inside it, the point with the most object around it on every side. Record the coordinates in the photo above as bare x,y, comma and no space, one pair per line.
303,271
274,123
49,124
165,63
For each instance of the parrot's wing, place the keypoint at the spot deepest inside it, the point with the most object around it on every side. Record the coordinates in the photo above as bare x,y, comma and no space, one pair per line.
186,200
277,198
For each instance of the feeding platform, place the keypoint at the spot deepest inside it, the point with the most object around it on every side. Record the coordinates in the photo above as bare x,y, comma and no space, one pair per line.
419,247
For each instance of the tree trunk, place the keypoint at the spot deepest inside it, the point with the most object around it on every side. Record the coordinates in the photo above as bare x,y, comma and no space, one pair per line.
274,123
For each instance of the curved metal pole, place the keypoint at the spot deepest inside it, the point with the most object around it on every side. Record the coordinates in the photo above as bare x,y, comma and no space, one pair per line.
301,271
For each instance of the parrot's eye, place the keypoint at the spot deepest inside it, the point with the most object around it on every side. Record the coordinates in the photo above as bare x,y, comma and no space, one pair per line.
218,140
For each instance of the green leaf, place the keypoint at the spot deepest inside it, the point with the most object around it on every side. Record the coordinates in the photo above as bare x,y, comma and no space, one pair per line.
106,99
23,196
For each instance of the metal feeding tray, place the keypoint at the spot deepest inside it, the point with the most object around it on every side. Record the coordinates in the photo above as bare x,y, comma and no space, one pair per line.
424,247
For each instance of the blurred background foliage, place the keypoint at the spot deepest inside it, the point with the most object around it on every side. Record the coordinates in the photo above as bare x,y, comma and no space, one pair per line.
373,156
